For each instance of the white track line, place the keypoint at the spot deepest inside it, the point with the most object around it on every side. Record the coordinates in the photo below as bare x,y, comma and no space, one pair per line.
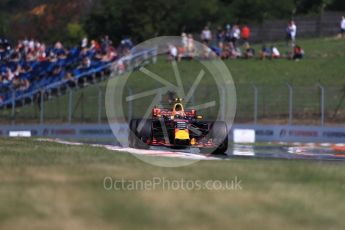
159,153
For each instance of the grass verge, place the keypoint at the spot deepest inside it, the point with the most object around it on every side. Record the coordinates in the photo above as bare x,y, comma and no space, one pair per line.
54,186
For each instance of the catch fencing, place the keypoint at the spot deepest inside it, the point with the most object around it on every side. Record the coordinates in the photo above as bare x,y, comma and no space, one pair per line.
283,104
308,26
326,24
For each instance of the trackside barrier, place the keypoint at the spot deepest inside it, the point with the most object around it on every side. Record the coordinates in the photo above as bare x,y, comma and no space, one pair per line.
103,133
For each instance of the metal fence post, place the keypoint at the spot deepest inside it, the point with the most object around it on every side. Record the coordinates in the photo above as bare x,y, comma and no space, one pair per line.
222,106
99,105
42,107
322,104
290,103
256,93
193,100
82,106
130,105
160,96
13,113
70,100
154,55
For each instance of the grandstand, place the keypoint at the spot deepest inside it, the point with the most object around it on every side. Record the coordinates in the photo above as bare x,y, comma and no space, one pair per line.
32,72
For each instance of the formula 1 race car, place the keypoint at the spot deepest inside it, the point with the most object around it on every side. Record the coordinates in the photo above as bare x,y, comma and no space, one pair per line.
178,128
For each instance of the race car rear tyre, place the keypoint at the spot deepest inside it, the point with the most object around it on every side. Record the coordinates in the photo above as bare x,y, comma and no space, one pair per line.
219,134
132,133
143,133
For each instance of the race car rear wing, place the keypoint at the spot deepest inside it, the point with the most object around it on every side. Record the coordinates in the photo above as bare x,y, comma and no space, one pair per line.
158,112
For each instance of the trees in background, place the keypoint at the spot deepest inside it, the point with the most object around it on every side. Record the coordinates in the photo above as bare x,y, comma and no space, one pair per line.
69,20
145,19
50,21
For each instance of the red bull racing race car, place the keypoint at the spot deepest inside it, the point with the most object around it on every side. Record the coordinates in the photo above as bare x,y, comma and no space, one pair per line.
178,128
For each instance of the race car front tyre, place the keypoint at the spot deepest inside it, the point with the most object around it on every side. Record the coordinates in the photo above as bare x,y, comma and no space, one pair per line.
143,133
132,133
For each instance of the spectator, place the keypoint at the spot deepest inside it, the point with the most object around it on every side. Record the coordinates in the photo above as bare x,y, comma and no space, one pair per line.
220,37
85,65
126,46
122,66
59,50
342,27
5,49
31,45
206,35
106,43
190,46
291,32
234,51
110,55
275,52
217,50
84,42
298,53
9,75
245,33
226,51
41,53
184,40
235,35
265,52
249,52
127,43
173,53
183,49
5,44
24,85
228,33
95,46
207,53
52,57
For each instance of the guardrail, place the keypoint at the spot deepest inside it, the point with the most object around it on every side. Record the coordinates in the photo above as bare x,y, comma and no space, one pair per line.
102,133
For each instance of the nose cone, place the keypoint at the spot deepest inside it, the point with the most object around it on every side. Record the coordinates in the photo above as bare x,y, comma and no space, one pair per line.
181,134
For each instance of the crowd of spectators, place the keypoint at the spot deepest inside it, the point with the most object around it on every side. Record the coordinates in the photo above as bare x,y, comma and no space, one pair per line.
232,42
31,64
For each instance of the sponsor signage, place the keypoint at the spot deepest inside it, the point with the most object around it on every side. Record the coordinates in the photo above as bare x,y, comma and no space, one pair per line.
19,134
244,135
99,132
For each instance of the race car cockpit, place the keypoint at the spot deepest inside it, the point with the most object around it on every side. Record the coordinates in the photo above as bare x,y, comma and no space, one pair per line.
178,109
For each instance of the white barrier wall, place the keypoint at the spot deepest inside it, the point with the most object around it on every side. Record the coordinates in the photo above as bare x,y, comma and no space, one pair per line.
88,132
101,132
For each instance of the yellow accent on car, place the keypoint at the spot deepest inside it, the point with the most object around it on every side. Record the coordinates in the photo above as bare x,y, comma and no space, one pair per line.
193,141
182,134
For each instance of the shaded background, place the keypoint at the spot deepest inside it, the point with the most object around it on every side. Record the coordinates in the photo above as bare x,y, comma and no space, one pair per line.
71,20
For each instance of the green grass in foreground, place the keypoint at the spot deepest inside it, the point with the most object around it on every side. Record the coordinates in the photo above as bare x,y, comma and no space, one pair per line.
52,186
